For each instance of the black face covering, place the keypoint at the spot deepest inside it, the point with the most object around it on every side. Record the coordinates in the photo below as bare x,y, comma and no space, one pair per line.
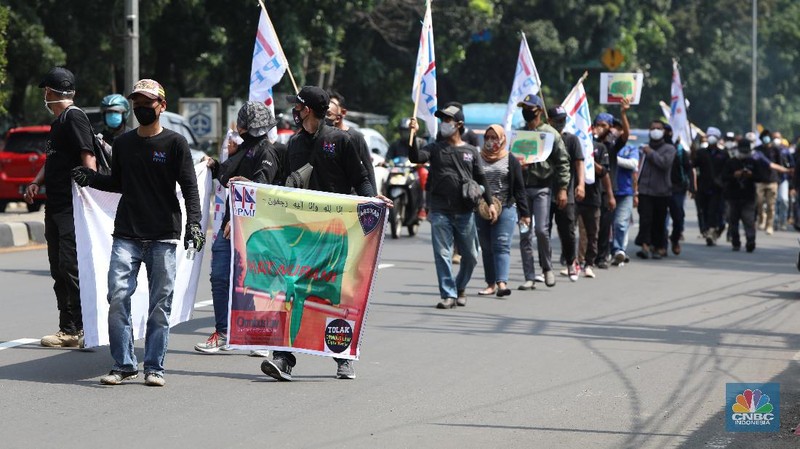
329,122
145,116
297,119
528,115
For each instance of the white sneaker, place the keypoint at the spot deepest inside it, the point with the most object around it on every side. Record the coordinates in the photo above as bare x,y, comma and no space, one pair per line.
539,278
588,272
259,353
573,271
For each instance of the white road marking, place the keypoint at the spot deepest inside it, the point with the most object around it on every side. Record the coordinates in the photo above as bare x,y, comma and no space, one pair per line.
385,265
796,356
19,342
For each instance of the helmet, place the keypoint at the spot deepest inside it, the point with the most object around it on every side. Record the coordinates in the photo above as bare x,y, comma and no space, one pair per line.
116,102
404,124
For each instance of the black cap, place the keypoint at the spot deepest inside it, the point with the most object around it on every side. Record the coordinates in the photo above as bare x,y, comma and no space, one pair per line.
531,101
312,96
59,79
557,113
451,111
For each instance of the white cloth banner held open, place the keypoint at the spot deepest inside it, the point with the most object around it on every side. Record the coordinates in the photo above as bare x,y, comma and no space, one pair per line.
94,212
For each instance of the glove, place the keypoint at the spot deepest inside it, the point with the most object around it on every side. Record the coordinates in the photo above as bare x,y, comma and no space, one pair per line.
83,176
194,235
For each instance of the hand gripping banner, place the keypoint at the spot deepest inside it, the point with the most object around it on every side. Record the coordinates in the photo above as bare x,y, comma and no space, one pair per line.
304,263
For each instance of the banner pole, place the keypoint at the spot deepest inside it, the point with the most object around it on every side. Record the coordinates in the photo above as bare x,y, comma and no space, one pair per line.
575,87
280,48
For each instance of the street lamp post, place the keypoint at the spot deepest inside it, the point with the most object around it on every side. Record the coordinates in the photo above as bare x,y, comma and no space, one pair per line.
131,43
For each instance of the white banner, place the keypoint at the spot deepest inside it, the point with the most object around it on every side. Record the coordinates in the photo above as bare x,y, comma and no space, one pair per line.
616,86
94,213
269,65
678,119
423,92
579,122
526,81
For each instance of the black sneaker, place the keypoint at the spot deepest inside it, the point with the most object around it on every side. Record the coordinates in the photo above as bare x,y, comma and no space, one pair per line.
345,369
277,368
447,303
603,265
737,247
750,246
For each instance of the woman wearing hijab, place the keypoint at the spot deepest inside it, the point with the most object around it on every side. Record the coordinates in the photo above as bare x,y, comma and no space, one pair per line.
256,160
504,175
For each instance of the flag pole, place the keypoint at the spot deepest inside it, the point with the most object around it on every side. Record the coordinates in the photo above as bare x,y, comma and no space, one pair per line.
575,87
280,48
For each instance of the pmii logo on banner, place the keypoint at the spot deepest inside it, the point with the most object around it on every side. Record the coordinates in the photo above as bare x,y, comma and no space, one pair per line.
244,201
752,407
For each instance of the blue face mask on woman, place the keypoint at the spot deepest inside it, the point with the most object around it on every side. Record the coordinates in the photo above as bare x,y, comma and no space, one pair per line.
113,119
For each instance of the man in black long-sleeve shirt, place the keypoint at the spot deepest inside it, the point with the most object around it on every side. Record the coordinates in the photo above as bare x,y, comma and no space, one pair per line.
146,164
452,219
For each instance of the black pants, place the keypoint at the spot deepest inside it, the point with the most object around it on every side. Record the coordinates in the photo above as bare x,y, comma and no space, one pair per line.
565,224
710,211
590,215
604,233
652,218
59,231
744,211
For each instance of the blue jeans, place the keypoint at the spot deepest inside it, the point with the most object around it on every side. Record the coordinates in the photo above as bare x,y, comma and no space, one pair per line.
496,244
622,219
126,258
447,228
221,280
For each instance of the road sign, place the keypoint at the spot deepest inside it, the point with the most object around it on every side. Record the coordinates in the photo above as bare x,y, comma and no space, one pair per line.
203,115
612,58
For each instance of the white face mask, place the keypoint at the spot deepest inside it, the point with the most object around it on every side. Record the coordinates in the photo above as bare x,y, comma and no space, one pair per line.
712,140
447,129
48,103
704,145
656,134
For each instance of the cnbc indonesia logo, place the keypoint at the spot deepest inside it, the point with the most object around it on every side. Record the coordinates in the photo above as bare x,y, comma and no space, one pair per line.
753,409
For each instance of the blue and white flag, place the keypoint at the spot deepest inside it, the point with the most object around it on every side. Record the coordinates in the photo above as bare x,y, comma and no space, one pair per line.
526,81
679,119
269,65
423,92
579,122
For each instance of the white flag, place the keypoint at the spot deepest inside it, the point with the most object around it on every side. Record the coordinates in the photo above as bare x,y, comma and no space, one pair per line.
94,212
579,122
269,65
678,119
526,81
424,90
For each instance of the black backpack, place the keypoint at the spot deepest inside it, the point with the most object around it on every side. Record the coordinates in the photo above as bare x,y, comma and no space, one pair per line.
101,155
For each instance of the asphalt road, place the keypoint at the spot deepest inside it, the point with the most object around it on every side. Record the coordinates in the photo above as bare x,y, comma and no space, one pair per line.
636,358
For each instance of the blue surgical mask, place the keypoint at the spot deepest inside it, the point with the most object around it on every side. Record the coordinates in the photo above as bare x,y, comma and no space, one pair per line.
113,119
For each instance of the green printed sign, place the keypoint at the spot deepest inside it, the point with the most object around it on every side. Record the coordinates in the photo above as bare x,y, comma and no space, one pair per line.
531,146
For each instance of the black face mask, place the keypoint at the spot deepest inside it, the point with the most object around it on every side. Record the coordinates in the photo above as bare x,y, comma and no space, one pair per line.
298,120
330,122
145,116
528,115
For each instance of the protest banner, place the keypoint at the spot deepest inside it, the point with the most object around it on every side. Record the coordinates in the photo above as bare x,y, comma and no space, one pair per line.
531,146
303,268
616,86
679,118
94,212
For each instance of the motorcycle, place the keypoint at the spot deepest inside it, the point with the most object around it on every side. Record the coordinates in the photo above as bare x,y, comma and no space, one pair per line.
404,188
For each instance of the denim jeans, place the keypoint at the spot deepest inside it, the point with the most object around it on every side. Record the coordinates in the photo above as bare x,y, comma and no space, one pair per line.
126,258
496,244
622,219
446,229
221,280
59,231
539,205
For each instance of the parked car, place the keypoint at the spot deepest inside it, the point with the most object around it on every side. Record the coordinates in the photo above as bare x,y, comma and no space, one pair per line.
20,160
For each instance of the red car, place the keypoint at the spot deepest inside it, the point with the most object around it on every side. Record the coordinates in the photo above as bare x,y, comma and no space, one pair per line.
20,160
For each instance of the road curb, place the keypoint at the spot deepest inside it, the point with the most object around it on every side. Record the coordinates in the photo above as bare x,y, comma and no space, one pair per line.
35,231
13,234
